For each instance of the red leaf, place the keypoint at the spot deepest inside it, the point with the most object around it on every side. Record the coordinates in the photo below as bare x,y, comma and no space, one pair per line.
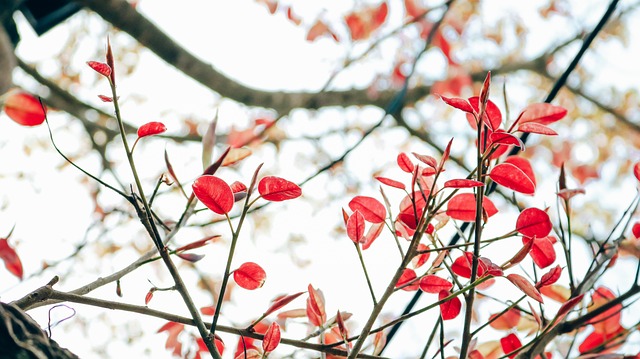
550,277
364,22
355,226
525,286
462,183
250,276
190,257
24,108
214,193
445,156
610,319
542,251
542,113
534,222
636,170
636,229
427,160
271,338
373,233
509,344
104,98
460,104
315,307
405,163
512,177
502,137
391,183
271,5
537,128
320,29
463,207
293,17
568,305
151,129
100,67
11,259
412,9
236,155
149,296
372,210
451,308
408,276
596,339
281,302
492,114
210,310
420,259
523,164
505,321
434,284
278,189
462,265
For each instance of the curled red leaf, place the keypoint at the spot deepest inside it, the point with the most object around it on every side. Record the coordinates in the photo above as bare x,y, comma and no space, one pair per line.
510,344
100,67
271,338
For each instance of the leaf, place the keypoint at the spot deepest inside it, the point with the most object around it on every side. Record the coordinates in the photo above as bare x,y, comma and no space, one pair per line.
460,104
420,259
391,183
373,233
541,113
210,310
525,286
518,257
509,344
537,128
344,333
445,156
568,305
462,265
151,129
636,170
214,193
523,164
463,207
280,302
100,67
510,176
372,210
405,163
635,229
104,98
427,160
502,137
408,276
209,142
236,155
320,29
451,308
249,276
542,251
278,189
271,338
550,277
556,292
364,22
315,307
492,115
190,257
434,284
462,183
11,259
355,227
24,108
505,321
149,296
609,320
534,222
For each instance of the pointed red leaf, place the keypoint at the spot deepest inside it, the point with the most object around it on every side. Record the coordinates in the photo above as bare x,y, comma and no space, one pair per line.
151,129
271,338
550,277
280,302
445,156
427,160
533,127
24,108
373,233
460,104
408,276
420,259
518,257
525,286
434,284
512,177
568,305
451,308
149,296
463,207
462,183
104,98
355,226
542,251
315,307
534,222
11,259
249,276
405,163
492,114
509,344
278,189
372,210
391,183
502,137
523,164
542,113
214,193
100,67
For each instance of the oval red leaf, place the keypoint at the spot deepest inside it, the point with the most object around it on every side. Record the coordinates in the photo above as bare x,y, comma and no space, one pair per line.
636,170
458,103
151,129
523,284
534,222
372,210
462,183
249,276
542,251
502,137
542,113
278,189
550,277
451,308
537,128
373,233
523,164
315,307
214,193
509,344
434,284
510,176
505,321
271,338
24,109
408,276
100,67
404,162
391,183
493,116
355,226
463,207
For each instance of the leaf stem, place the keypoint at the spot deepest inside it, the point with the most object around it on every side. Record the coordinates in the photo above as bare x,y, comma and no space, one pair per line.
366,274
